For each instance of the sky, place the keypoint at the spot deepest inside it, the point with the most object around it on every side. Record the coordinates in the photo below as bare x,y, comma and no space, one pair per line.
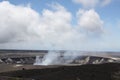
85,25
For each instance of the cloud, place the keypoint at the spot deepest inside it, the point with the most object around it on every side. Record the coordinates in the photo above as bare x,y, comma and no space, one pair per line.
55,27
92,3
105,2
90,21
21,27
22,24
16,22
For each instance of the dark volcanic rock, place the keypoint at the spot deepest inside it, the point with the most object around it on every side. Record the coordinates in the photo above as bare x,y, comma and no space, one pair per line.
108,71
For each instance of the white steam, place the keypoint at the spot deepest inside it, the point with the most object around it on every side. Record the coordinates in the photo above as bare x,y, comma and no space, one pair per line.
69,57
57,57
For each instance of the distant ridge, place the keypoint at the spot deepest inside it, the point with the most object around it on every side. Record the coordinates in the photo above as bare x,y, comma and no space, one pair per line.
18,50
30,50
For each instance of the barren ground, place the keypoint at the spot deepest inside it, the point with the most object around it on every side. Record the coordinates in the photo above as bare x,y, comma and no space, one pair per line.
108,71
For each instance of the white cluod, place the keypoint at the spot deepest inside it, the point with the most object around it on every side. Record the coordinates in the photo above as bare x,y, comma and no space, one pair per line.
37,61
49,59
57,58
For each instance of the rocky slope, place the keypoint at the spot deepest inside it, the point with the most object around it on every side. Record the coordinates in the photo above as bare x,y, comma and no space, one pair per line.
78,60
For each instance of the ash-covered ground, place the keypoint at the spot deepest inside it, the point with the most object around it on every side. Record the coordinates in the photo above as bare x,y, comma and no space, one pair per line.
106,71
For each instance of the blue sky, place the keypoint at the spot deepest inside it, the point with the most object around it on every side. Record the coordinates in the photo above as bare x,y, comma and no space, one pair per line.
81,25
110,11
